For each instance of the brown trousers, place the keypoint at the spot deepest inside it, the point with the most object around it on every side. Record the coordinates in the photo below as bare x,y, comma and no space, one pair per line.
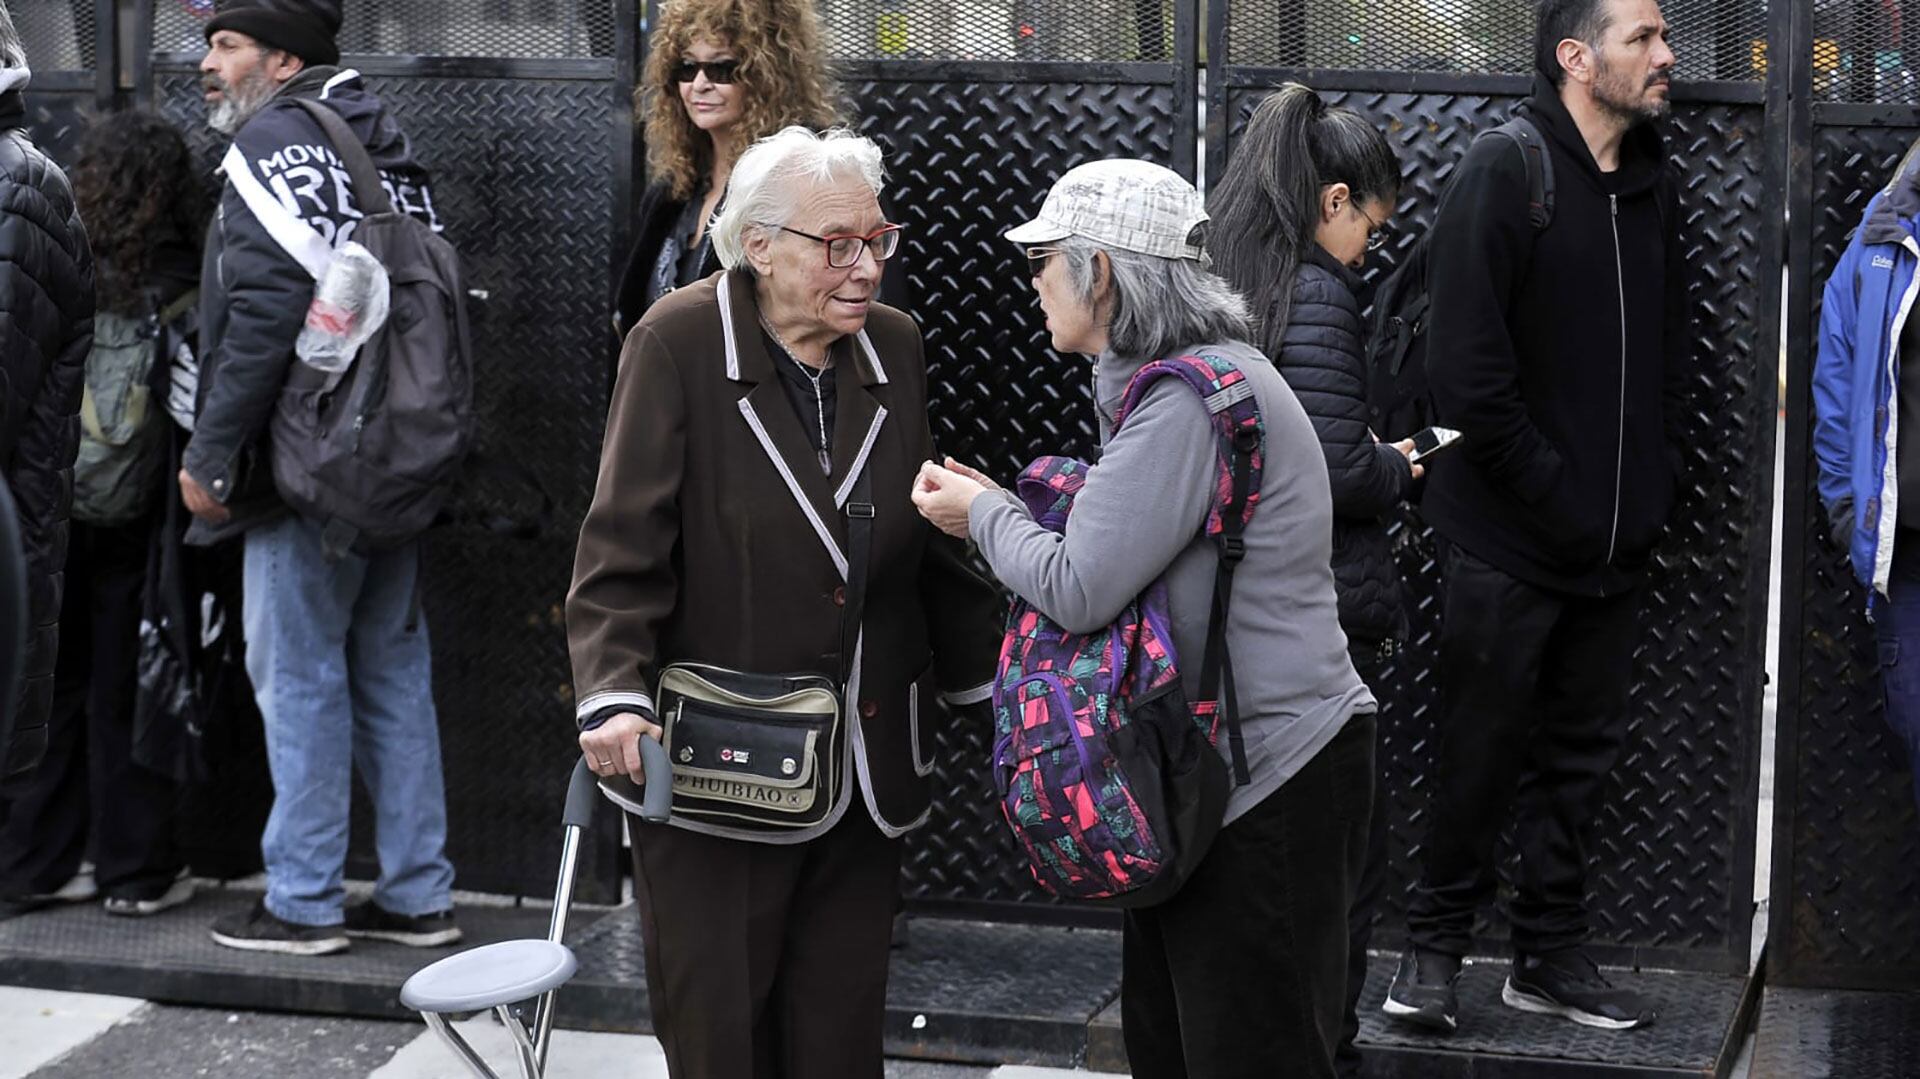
768,962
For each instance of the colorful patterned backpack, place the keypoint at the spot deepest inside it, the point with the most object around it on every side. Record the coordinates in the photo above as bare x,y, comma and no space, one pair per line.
1106,773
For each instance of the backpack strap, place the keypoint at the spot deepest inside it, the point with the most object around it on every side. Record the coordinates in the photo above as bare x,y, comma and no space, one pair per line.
859,512
1525,134
1240,437
367,188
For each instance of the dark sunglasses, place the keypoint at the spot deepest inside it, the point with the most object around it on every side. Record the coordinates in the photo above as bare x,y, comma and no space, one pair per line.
843,249
718,72
1037,259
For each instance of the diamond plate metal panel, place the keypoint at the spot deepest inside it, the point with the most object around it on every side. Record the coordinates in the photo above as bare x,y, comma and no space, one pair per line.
969,161
523,178
1676,832
1805,1033
1851,834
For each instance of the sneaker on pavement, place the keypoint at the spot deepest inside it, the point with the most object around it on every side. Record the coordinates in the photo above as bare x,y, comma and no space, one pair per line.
375,922
1570,985
152,900
1423,991
260,930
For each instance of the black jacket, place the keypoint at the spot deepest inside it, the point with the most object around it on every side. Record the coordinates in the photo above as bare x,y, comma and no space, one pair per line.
656,214
1321,357
1563,358
46,307
254,285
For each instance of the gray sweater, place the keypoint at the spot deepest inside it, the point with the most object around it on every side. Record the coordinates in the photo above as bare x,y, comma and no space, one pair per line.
1141,515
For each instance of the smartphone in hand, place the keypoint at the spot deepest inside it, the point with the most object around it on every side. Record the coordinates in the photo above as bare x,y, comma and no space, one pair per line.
1432,440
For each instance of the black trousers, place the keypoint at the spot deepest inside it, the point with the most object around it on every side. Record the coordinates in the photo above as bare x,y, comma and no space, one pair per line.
88,796
768,962
1243,973
1534,689
1370,662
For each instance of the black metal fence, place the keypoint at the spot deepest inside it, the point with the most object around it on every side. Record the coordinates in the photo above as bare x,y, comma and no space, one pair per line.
1847,842
523,111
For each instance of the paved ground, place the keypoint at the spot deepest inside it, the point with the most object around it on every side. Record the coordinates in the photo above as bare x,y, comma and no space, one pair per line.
49,1035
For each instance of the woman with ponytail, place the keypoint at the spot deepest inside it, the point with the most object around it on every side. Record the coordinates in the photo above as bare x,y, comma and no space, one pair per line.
1305,198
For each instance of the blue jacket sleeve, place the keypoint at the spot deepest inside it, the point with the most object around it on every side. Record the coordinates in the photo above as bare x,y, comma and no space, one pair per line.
1833,373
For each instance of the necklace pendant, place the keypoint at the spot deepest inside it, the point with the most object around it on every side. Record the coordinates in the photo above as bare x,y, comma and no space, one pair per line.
826,463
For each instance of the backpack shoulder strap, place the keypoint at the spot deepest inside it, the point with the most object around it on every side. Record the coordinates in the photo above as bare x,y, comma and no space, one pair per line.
1525,134
367,188
1240,440
185,302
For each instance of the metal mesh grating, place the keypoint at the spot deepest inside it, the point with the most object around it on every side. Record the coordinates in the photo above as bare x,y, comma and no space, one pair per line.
502,28
1102,30
1866,51
59,35
1716,40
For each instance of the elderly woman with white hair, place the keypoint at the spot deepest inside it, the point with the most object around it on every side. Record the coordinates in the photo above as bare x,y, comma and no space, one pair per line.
1242,972
754,589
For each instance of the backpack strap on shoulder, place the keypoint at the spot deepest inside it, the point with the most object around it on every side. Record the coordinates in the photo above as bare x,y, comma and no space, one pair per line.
1240,438
368,191
1525,134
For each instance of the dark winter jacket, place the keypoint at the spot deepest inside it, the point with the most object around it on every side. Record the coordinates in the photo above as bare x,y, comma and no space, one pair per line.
1562,357
46,306
286,203
656,215
1321,356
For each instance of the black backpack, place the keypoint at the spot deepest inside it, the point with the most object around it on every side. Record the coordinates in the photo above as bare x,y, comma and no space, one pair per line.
1398,401
372,453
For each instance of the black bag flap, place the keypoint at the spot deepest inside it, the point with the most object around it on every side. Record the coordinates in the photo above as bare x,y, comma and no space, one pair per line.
717,740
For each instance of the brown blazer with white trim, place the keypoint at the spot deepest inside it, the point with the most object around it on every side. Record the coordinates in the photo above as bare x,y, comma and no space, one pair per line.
714,537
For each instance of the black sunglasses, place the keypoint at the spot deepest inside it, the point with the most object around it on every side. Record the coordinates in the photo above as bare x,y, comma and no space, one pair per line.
1037,259
718,72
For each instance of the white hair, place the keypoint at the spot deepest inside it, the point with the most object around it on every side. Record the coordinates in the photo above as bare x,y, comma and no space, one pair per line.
760,194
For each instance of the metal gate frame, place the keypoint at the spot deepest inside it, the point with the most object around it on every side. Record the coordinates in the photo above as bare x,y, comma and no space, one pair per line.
1846,855
1701,804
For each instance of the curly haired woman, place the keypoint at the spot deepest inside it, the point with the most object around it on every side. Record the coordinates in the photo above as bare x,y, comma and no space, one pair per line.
138,190
720,75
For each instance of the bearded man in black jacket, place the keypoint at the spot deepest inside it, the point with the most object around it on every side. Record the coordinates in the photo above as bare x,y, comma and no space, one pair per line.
337,645
1561,354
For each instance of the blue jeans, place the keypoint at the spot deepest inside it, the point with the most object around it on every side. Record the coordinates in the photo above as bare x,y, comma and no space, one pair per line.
340,664
1896,628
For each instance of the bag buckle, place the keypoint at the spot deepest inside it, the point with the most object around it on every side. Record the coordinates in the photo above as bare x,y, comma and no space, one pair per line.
860,509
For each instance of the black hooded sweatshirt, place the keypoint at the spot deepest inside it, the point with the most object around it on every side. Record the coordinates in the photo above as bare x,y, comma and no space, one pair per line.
1562,355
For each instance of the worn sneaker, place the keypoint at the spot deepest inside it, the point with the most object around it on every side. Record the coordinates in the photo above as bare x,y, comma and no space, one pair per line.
260,930
1423,991
1569,985
152,901
375,922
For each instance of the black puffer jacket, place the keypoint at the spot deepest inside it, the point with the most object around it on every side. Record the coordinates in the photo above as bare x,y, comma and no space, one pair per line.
46,330
1321,357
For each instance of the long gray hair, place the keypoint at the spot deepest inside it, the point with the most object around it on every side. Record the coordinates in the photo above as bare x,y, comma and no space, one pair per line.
1158,304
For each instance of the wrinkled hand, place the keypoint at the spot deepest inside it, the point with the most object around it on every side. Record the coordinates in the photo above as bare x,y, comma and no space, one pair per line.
1405,446
944,494
613,748
200,503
